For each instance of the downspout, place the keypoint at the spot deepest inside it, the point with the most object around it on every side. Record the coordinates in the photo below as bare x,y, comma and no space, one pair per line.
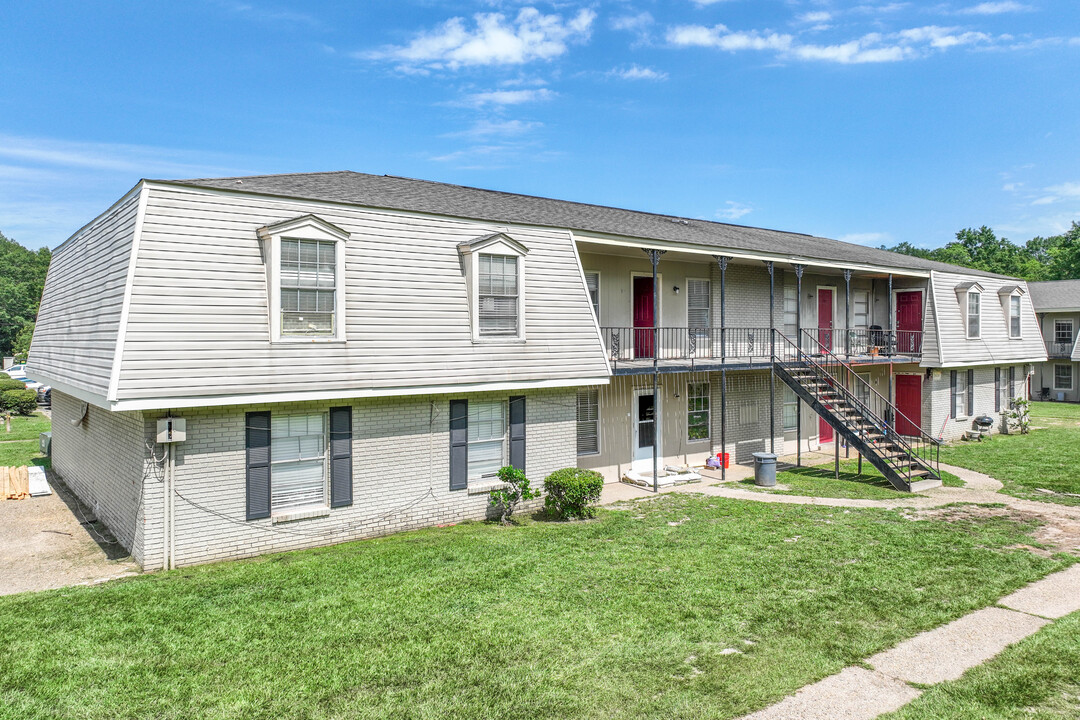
772,350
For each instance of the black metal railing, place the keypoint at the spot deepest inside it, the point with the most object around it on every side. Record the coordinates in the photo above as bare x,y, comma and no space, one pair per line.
864,342
686,343
900,441
1059,349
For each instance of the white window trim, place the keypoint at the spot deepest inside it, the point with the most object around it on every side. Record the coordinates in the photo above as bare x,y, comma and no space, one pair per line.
306,227
504,459
314,509
1006,310
493,244
855,292
599,298
708,424
967,312
708,306
1072,330
599,412
1072,380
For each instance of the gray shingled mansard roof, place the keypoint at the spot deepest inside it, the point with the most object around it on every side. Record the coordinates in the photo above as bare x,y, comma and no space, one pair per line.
1055,295
398,193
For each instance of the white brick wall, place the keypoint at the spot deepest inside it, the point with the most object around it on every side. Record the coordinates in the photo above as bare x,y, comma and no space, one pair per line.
400,474
937,399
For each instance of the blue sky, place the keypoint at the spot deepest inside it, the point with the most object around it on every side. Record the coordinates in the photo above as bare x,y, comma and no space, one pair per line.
865,120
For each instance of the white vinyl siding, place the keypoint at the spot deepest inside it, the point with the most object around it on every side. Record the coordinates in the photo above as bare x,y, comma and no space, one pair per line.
498,295
697,411
308,284
974,314
697,304
588,421
592,282
1014,316
297,462
860,309
1063,377
487,438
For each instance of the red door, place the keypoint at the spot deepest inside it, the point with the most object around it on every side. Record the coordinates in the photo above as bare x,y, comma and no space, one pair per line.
825,317
643,317
825,431
909,404
909,322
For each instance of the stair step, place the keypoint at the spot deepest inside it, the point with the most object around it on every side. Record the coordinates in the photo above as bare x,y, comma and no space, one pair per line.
929,484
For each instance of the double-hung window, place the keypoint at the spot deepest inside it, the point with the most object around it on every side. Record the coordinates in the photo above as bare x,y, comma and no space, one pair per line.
697,411
791,410
1063,377
697,306
588,421
974,314
498,295
592,282
791,310
1014,316
298,461
308,287
959,388
860,309
1063,336
487,437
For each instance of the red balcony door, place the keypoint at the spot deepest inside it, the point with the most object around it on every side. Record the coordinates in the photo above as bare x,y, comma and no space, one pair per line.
909,404
825,317
909,321
825,431
643,317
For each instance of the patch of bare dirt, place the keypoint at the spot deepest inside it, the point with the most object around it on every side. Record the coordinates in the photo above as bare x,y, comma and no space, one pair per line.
1055,532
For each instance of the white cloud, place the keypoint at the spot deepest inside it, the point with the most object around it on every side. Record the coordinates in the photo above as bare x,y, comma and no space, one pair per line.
866,238
632,23
138,160
705,3
492,128
507,97
942,37
813,18
1058,193
733,210
995,8
635,72
493,40
720,37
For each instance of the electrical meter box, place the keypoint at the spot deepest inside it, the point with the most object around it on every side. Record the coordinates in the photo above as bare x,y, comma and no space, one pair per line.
170,430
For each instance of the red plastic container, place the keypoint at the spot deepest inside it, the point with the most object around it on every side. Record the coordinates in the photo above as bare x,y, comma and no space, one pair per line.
725,458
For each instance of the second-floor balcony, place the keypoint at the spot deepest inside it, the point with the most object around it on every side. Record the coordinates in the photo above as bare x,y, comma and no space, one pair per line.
1059,350
635,349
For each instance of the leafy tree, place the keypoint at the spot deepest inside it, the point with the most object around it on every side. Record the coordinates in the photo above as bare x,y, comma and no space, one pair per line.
22,278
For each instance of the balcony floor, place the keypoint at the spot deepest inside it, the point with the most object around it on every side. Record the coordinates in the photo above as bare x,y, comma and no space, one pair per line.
644,366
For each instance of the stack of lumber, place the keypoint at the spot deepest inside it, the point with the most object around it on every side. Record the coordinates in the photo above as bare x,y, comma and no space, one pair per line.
14,483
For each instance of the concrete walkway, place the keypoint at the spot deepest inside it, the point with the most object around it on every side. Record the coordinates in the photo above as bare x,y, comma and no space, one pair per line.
938,655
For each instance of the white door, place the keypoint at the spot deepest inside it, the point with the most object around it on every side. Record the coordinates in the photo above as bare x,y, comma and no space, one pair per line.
646,429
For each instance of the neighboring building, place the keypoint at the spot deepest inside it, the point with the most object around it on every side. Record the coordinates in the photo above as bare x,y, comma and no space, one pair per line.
1057,304
353,354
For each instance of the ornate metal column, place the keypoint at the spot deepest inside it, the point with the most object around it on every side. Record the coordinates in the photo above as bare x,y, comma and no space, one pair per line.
847,313
799,269
772,359
654,257
722,261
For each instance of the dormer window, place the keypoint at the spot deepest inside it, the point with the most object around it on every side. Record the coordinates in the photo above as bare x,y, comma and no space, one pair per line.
305,258
1014,316
974,314
1011,306
494,268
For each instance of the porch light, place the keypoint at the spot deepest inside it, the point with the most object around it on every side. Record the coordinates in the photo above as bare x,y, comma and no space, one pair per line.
676,289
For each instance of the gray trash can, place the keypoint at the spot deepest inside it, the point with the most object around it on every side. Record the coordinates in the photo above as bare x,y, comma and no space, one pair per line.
764,469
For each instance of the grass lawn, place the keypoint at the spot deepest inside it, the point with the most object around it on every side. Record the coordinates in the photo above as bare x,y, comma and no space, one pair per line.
1036,679
820,481
683,606
1048,458
26,427
22,452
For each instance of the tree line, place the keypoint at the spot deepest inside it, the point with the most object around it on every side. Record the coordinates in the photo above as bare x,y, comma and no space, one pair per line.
22,278
1051,258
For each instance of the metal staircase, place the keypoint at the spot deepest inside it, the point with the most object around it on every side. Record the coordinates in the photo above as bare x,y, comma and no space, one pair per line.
858,413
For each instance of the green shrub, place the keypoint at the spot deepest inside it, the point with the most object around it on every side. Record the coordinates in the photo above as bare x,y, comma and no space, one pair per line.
516,491
20,402
571,491
9,383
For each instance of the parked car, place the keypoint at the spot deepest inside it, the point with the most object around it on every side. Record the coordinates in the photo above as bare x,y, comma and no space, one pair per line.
19,370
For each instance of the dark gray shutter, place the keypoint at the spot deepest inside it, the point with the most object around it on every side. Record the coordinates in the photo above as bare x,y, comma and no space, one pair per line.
997,389
970,393
257,440
952,393
459,444
340,456
517,432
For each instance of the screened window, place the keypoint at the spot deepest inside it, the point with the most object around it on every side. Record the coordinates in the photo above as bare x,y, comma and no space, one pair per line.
498,295
697,411
1014,316
697,305
959,408
1063,332
588,421
791,410
487,438
592,282
791,310
1063,377
308,287
860,308
298,461
974,314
